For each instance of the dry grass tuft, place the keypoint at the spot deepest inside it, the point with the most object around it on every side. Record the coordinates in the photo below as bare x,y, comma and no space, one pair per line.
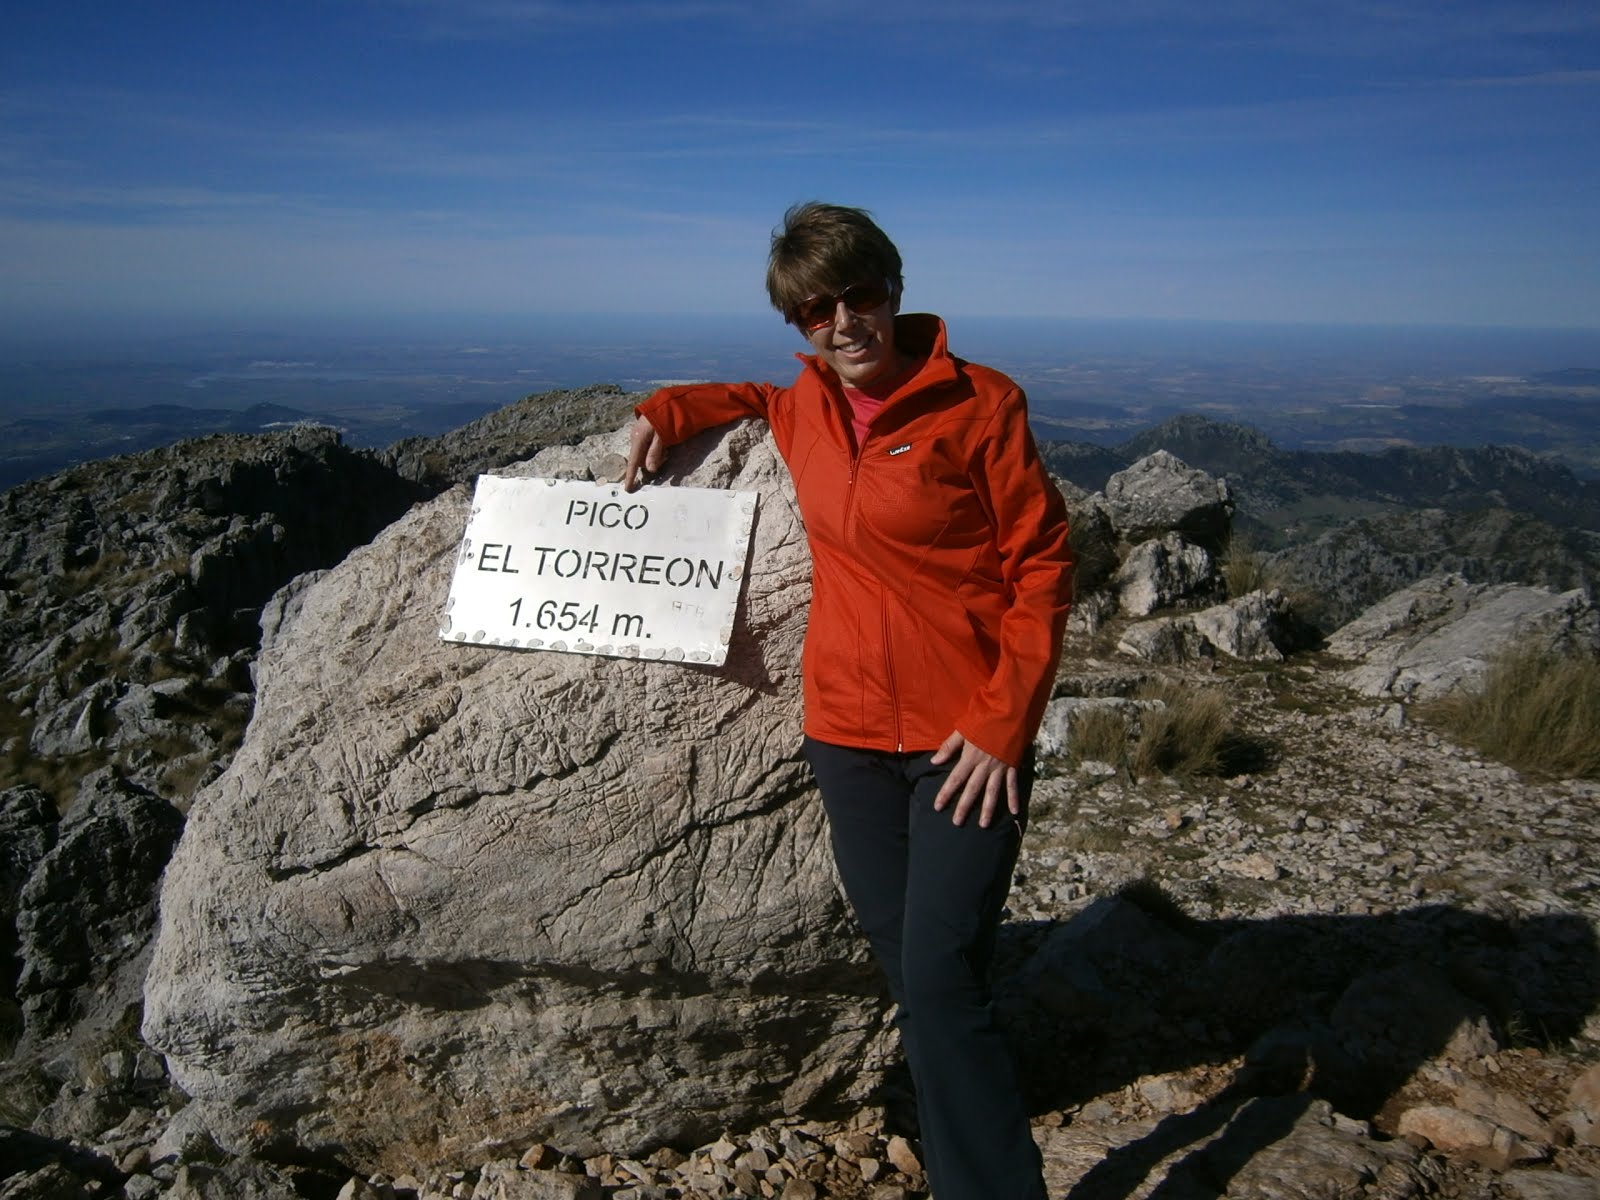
1536,710
1100,735
1244,568
1186,735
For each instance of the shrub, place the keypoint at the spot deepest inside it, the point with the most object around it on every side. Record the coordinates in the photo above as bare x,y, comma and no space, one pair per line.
1536,710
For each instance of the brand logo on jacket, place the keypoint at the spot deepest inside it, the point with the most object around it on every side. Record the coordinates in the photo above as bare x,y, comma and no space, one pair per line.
899,449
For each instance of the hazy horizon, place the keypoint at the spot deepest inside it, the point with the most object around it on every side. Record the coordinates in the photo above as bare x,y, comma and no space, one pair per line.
1100,381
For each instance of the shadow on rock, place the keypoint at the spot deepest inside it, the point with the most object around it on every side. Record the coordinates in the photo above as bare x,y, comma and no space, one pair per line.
1330,1011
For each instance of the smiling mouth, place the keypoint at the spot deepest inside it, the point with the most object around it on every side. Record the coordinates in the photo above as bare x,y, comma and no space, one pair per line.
853,347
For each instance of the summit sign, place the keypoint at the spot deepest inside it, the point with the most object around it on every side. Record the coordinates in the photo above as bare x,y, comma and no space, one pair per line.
585,568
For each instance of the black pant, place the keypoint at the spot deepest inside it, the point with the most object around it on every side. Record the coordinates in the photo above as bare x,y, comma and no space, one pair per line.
929,895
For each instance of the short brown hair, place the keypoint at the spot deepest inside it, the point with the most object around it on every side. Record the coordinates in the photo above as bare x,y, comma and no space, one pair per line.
821,248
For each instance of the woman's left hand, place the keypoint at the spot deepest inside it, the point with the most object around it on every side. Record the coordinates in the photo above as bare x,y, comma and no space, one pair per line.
977,779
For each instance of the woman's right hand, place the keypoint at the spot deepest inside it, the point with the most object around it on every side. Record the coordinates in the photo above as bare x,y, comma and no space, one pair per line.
646,453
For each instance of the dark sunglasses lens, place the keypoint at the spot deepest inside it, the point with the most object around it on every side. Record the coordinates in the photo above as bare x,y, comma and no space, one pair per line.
864,297
814,313
818,311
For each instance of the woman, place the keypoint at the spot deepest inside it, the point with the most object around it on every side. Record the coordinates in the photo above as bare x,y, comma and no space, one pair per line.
941,579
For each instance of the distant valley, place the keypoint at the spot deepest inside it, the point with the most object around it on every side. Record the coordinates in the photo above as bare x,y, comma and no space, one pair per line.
1097,388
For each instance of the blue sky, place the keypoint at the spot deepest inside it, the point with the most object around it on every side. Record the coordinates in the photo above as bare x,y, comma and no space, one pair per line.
1411,161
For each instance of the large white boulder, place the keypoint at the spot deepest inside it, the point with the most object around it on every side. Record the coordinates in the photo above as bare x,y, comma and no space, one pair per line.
1441,633
449,900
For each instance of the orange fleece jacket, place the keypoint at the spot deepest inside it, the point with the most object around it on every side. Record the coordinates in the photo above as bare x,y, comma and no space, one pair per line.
941,573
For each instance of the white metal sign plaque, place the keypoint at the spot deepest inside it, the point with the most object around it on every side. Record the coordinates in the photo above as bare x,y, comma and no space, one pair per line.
587,568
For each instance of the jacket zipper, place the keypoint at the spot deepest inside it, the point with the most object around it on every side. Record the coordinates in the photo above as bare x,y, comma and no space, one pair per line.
888,656
894,691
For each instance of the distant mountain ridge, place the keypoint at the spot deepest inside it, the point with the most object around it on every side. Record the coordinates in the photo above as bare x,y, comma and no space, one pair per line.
1287,495
1343,529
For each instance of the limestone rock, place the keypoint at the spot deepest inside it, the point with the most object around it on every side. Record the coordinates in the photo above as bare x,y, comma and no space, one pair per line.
450,900
1504,1110
1163,572
506,1181
1065,714
1094,541
511,434
1252,628
1160,494
1440,634
902,1157
76,940
1584,1095
1166,640
28,823
1456,1132
123,574
1253,866
1351,568
237,1180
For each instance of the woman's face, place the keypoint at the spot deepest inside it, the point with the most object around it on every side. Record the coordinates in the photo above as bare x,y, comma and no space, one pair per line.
859,346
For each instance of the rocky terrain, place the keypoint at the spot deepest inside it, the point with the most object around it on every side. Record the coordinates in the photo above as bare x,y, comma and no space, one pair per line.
1356,960
1342,530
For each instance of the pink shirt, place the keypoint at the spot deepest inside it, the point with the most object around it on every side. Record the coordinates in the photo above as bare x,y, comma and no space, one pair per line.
865,402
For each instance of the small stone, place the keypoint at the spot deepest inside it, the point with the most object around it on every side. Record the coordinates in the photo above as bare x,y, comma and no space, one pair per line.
869,1167
797,1147
1253,866
1455,1132
1504,1109
852,1145
1584,1094
1585,1132
539,1157
1097,1110
135,1161
506,1181
798,1189
902,1157
754,1161
629,1167
722,1150
1165,1094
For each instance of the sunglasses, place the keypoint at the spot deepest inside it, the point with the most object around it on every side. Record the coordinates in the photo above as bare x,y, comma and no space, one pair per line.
811,315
